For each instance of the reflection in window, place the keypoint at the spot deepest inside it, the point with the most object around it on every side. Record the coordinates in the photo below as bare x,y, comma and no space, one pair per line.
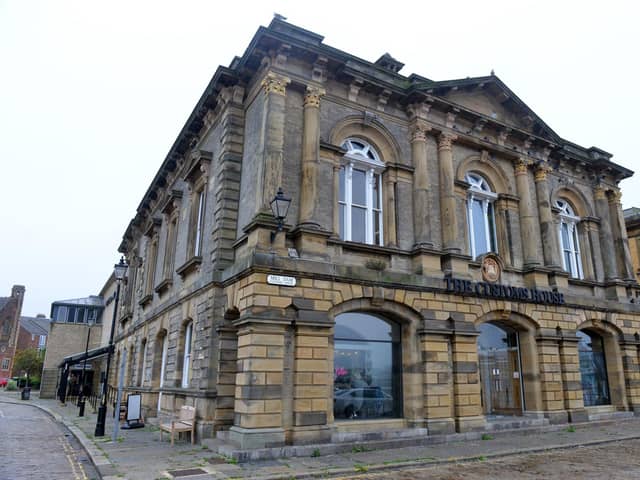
593,369
569,239
186,360
366,367
359,200
480,215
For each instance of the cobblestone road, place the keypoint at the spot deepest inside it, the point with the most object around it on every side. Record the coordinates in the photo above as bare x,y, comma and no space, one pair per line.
611,461
34,446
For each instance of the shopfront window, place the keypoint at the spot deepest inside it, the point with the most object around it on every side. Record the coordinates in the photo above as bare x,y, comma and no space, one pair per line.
367,367
593,369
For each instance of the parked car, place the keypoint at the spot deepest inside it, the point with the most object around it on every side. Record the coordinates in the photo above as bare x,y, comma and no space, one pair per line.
366,402
3,382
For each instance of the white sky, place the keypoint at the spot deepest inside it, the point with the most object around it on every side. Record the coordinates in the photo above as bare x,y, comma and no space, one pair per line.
93,94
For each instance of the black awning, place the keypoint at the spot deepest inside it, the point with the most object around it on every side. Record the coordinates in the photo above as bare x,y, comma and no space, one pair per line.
79,357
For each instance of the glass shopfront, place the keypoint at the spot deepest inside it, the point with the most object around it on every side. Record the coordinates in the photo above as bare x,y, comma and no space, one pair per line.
593,369
367,367
500,370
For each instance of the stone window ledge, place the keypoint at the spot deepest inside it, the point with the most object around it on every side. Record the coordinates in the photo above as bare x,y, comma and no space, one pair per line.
163,286
145,300
189,266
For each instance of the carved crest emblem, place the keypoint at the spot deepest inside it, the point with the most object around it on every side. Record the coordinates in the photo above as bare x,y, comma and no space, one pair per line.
491,268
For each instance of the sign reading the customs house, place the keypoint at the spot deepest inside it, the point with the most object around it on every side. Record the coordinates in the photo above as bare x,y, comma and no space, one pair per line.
281,280
505,292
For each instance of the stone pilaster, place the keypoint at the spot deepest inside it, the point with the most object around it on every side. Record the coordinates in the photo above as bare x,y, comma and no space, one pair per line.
606,235
571,379
310,157
528,227
448,216
591,228
421,211
225,188
467,399
313,362
390,213
507,223
274,86
226,356
585,251
548,232
631,366
259,391
620,240
551,380
438,383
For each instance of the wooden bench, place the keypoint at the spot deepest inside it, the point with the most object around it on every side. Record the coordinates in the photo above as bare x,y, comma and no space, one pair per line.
186,422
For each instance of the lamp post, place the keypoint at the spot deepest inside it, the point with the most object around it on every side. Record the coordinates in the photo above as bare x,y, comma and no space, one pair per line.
279,208
120,270
81,401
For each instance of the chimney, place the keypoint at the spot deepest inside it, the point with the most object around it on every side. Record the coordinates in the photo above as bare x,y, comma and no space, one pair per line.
17,291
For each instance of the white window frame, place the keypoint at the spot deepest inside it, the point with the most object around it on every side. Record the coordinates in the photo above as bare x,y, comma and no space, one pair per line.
571,220
163,361
42,342
362,156
144,364
199,226
480,190
5,363
186,359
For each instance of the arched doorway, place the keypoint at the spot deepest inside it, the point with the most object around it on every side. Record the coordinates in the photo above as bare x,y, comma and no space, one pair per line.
500,370
593,369
367,367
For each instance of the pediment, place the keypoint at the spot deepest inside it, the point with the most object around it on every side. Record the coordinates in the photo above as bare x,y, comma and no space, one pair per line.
491,98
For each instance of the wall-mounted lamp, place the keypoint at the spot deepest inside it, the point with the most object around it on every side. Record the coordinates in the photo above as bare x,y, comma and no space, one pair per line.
279,207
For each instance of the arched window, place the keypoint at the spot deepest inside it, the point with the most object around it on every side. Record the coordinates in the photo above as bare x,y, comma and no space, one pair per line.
367,367
360,196
569,239
186,359
593,369
480,215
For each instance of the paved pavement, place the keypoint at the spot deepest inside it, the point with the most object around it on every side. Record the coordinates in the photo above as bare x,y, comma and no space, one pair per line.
34,446
139,454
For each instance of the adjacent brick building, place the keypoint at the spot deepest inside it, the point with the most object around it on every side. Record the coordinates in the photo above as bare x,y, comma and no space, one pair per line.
33,332
10,309
447,261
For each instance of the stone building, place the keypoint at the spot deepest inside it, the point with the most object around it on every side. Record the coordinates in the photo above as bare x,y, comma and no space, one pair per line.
447,261
632,222
10,308
72,323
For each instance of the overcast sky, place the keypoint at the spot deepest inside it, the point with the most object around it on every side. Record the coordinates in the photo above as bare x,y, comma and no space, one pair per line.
93,94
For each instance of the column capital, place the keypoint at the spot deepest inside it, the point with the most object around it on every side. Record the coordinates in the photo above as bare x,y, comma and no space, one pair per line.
599,192
312,96
542,171
615,196
274,83
445,140
522,166
419,131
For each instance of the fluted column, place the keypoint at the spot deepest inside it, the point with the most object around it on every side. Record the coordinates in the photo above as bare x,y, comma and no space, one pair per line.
606,235
550,248
421,216
447,194
275,90
528,228
310,156
620,240
591,225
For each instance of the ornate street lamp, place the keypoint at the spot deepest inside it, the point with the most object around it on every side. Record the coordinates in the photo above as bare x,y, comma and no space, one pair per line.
81,401
279,207
119,272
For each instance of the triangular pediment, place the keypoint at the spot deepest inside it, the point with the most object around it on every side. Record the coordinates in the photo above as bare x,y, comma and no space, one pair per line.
490,97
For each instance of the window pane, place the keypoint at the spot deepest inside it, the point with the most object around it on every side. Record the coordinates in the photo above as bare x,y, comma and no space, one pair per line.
567,261
593,370
358,224
341,182
492,228
565,236
479,228
362,326
341,208
359,187
376,191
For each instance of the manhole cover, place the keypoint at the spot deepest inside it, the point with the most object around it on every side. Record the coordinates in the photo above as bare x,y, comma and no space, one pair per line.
186,473
216,460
